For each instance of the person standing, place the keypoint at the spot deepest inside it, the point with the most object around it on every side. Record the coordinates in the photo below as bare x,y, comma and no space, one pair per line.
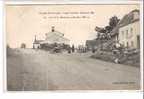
69,49
73,48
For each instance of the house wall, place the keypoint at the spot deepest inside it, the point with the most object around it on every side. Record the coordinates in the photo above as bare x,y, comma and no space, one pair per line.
128,35
36,46
55,38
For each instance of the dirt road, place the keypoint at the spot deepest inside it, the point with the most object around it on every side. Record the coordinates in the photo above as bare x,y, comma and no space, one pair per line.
38,70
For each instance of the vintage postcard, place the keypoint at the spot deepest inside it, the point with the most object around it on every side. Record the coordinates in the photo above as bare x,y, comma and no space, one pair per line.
73,46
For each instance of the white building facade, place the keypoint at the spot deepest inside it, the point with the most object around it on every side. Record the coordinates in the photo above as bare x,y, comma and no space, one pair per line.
53,37
56,37
129,30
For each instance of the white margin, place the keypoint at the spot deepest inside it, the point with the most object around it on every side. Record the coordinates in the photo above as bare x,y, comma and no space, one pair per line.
75,2
141,44
71,2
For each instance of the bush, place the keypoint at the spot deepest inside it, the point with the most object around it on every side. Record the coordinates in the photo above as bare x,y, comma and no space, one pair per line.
106,56
128,59
9,51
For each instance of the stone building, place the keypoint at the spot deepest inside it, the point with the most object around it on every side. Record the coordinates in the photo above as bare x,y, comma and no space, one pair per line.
129,30
53,37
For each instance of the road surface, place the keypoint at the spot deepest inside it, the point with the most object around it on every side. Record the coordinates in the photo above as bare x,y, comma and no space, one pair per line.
32,70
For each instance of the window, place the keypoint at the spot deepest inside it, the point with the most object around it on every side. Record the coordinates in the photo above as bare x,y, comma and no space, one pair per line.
123,43
122,34
135,15
131,30
127,44
132,44
126,33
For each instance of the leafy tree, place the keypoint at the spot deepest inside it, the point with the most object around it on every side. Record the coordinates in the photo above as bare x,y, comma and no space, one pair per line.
103,33
108,29
8,46
113,21
73,48
100,30
23,45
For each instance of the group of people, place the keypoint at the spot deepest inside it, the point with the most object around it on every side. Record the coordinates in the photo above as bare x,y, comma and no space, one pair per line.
71,49
80,49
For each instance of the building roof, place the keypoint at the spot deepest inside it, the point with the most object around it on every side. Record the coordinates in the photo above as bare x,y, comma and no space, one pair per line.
38,41
55,36
49,34
51,37
92,42
53,31
129,18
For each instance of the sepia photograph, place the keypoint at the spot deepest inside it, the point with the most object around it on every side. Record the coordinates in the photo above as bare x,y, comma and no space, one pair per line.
73,47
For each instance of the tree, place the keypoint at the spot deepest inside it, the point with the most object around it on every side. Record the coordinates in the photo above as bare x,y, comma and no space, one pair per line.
23,45
73,48
8,46
103,33
100,30
113,21
108,29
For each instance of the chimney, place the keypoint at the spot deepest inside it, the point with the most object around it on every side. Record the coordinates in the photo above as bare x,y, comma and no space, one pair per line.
35,39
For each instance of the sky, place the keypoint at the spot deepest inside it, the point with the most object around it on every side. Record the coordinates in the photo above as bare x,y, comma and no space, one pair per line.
23,22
